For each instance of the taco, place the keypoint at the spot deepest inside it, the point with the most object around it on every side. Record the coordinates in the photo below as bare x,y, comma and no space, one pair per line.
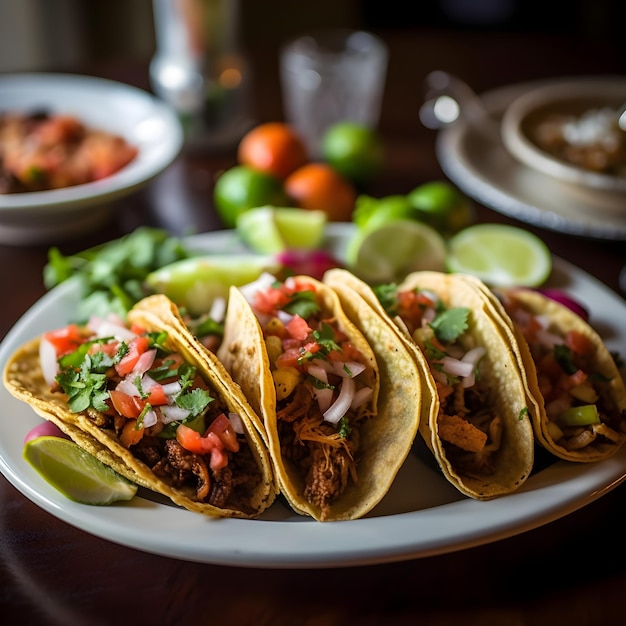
569,373
478,428
150,401
339,409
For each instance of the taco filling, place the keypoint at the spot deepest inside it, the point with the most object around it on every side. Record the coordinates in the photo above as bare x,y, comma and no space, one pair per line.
129,384
580,401
324,387
467,423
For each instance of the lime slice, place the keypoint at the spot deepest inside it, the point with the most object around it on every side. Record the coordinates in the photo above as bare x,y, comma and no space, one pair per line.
270,229
500,255
75,473
195,283
392,250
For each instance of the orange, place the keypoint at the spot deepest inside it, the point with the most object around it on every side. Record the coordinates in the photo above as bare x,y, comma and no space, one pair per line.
317,186
272,148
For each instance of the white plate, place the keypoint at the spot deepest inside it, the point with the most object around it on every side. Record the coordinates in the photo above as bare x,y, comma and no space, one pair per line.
482,167
422,515
144,121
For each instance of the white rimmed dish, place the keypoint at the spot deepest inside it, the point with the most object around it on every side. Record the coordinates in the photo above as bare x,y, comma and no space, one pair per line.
43,217
565,97
422,515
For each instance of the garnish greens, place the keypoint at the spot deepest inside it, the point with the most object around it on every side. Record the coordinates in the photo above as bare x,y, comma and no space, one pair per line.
112,274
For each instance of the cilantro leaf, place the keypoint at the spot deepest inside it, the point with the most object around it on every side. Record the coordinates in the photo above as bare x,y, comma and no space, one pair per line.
302,303
450,324
387,295
194,401
112,275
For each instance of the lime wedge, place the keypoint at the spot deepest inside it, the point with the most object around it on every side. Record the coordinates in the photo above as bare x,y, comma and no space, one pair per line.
75,473
195,283
270,229
500,255
392,250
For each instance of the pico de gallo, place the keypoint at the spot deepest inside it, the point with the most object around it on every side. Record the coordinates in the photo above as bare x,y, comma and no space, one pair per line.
323,384
579,410
468,425
157,405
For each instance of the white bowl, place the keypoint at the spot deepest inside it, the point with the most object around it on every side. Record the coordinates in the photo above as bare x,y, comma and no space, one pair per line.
144,121
573,97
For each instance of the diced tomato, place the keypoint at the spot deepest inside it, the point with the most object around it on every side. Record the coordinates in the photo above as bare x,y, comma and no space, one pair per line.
109,348
289,358
126,405
130,434
270,300
157,396
569,381
136,347
222,427
297,284
298,328
579,343
347,353
137,329
191,440
65,339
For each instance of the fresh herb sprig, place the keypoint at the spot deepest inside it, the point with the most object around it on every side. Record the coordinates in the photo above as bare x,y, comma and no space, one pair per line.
113,274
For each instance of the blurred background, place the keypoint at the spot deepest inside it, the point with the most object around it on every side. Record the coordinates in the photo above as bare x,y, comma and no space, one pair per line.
69,34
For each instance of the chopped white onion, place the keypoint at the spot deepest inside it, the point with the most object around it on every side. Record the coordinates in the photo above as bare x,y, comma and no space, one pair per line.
144,362
110,328
218,309
341,405
474,355
283,316
456,367
149,419
236,422
173,413
171,389
127,386
549,339
361,397
48,361
349,369
317,371
324,398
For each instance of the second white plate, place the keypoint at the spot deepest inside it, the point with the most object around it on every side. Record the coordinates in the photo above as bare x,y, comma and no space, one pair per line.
483,168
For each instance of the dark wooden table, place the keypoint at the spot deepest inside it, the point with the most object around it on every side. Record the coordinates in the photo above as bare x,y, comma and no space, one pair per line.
570,571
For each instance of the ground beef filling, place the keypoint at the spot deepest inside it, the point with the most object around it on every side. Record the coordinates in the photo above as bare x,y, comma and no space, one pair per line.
229,487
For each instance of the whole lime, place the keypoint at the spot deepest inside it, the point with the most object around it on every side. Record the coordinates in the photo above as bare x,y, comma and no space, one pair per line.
241,188
441,205
354,150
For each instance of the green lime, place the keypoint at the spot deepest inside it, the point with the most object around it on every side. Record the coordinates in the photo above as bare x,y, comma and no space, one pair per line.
269,229
441,205
241,188
77,474
500,255
370,212
195,283
389,252
354,150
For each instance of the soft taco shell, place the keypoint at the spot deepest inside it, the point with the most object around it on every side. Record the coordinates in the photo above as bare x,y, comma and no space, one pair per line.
23,378
515,458
562,320
385,438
